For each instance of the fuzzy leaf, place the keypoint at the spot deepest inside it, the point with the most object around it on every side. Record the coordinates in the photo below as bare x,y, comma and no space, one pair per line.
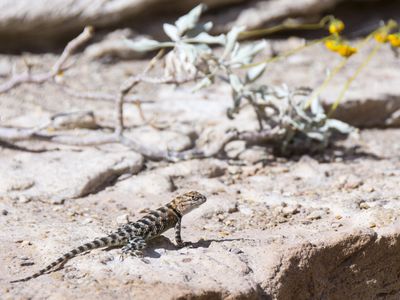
172,32
145,45
315,136
254,73
189,20
207,26
245,54
205,38
205,82
316,107
231,39
235,83
339,126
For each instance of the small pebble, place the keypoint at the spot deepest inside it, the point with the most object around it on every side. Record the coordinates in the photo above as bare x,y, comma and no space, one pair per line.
233,209
336,225
23,199
122,219
87,221
121,207
290,210
235,250
315,215
26,243
372,225
4,212
21,185
245,210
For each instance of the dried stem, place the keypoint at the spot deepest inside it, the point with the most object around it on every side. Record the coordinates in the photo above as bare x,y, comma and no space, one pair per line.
125,89
58,67
12,135
100,96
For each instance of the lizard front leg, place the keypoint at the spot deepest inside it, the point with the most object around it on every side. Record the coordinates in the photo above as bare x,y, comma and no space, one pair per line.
134,246
178,238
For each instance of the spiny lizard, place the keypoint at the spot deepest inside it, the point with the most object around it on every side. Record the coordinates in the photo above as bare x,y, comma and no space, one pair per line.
134,235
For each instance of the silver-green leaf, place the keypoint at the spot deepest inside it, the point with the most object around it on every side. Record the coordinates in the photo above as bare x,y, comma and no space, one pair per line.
145,45
245,54
172,32
205,82
189,20
339,126
231,39
205,38
235,83
255,72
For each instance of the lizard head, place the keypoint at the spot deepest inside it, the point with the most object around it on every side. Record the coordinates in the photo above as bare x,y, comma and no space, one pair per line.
185,203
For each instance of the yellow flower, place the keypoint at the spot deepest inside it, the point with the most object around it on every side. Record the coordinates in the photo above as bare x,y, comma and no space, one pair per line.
336,26
332,45
394,39
346,50
381,36
338,47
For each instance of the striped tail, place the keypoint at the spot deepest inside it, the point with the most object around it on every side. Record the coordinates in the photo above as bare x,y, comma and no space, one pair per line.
111,240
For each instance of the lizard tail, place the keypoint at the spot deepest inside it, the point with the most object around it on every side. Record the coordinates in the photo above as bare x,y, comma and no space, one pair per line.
97,243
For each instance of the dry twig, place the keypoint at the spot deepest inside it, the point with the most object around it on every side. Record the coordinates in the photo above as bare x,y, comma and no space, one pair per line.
59,66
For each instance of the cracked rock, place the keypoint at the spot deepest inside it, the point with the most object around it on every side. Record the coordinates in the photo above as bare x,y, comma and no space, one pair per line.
59,176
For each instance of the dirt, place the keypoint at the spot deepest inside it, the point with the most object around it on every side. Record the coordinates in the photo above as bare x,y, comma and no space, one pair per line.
310,227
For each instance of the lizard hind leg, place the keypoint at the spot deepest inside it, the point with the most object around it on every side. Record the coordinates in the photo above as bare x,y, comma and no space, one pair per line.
134,247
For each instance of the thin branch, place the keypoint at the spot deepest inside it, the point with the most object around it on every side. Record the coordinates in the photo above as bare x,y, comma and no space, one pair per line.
101,96
125,89
252,137
58,67
71,47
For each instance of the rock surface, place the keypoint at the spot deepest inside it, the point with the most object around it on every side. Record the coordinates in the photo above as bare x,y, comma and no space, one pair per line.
47,22
254,238
323,226
56,176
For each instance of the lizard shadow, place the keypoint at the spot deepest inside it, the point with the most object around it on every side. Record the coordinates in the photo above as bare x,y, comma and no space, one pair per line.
165,243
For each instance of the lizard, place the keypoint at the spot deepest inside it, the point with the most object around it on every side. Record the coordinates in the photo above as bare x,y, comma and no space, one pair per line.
133,236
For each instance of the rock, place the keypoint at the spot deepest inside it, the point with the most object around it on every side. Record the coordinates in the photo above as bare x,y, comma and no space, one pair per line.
364,205
21,184
263,13
211,185
316,214
26,243
147,184
233,149
308,169
65,175
245,210
290,210
47,21
208,168
254,154
161,140
350,182
81,119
